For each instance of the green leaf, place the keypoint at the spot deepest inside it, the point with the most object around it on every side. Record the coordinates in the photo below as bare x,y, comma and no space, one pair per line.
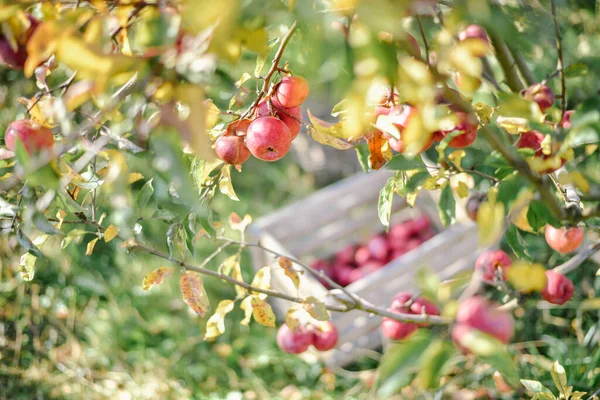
384,206
401,361
576,70
403,163
171,236
362,153
27,244
559,376
543,396
415,181
145,194
517,244
447,205
534,386
433,362
190,233
21,153
205,223
496,160
538,216
509,189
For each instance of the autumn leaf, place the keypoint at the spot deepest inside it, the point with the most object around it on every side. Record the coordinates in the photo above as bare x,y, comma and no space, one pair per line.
110,233
527,277
262,280
292,319
378,154
27,266
246,306
225,185
490,220
262,312
90,246
316,309
290,272
239,224
327,133
156,277
192,288
215,326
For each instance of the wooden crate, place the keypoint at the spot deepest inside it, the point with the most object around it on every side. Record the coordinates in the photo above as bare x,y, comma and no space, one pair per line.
346,213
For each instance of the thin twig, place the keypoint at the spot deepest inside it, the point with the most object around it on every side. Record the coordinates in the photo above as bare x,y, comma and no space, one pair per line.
560,62
578,259
424,39
506,62
272,70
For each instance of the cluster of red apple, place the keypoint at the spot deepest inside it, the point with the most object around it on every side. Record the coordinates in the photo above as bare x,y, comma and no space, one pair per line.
322,336
354,262
277,122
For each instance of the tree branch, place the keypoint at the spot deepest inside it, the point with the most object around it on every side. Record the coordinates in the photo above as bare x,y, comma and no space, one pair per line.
578,259
274,67
560,62
522,66
506,62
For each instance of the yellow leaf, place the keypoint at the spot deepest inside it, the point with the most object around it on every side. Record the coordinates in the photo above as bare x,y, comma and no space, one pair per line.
42,44
239,224
134,177
462,190
215,326
60,216
245,76
327,133
78,94
246,306
290,272
456,157
484,112
192,288
527,277
547,145
316,309
236,273
411,198
254,40
43,112
212,113
110,233
262,280
225,185
579,180
292,319
415,135
90,246
262,312
156,277
490,221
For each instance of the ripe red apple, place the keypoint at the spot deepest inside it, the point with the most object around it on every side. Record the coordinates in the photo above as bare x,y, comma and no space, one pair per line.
15,57
292,91
325,336
343,274
426,235
423,306
401,116
397,253
478,313
362,255
232,149
541,94
564,240
559,288
268,138
397,330
378,247
420,224
413,244
294,342
365,269
34,137
399,234
533,140
346,255
292,117
473,32
491,261
239,127
464,139
566,119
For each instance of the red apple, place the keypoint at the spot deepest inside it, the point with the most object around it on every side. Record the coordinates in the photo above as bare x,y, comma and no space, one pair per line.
420,224
268,138
397,253
464,139
362,255
292,117
397,330
366,269
34,137
474,32
478,313
378,247
343,274
564,240
292,91
426,235
413,244
346,255
559,288
399,234
533,140
15,57
232,149
491,261
566,119
325,336
541,94
294,342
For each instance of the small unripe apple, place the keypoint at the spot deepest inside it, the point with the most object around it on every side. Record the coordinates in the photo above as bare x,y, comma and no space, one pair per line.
292,117
34,137
478,313
232,149
533,140
294,342
362,255
468,133
325,336
346,255
378,247
564,240
491,261
268,138
292,91
541,94
473,204
559,288
343,274
566,119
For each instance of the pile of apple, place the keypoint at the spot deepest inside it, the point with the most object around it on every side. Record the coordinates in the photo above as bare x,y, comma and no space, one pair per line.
269,134
354,262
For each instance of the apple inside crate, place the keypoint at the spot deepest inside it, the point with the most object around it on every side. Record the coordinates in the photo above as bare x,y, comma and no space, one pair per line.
345,214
